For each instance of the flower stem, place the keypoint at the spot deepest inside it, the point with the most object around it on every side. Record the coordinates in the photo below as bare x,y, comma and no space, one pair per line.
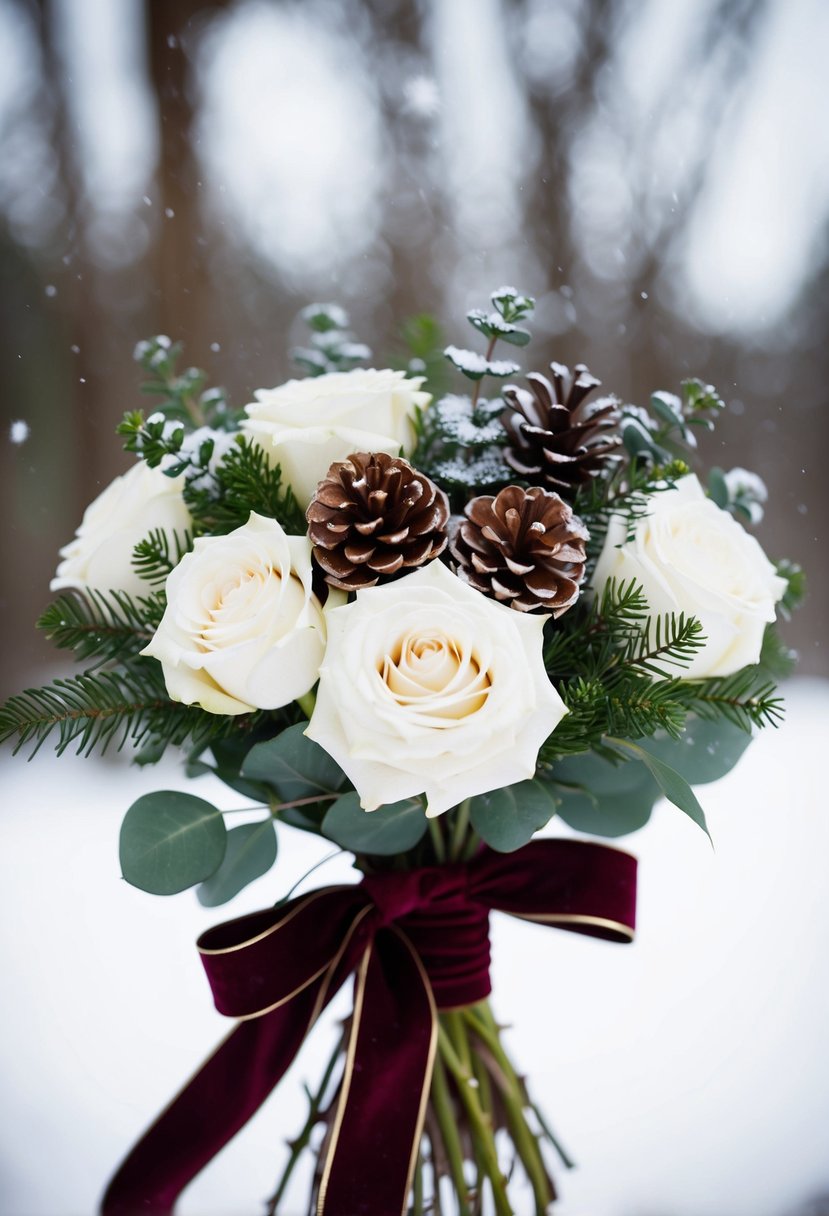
442,1105
482,1022
480,1124
461,825
302,1141
306,703
476,392
437,839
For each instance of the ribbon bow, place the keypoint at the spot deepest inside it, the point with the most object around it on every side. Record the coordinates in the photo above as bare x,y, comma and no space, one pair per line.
417,942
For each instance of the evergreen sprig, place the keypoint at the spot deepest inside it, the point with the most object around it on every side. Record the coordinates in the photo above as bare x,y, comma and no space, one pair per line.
748,699
626,494
665,639
154,557
243,482
333,348
104,626
94,709
183,397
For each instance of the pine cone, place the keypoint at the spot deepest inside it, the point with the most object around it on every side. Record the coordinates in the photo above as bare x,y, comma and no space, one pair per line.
372,516
525,548
558,438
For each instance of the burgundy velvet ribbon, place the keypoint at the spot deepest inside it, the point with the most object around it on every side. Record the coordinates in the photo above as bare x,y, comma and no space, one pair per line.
417,942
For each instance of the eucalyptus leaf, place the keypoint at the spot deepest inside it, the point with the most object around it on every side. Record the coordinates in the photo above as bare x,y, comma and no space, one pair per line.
604,799
507,819
170,841
717,488
250,853
388,830
672,784
637,438
293,766
707,750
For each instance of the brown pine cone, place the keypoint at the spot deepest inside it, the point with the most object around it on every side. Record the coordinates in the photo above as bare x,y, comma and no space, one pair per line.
525,548
372,516
558,438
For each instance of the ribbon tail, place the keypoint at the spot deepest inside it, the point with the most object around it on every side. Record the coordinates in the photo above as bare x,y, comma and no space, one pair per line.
213,1106
385,1087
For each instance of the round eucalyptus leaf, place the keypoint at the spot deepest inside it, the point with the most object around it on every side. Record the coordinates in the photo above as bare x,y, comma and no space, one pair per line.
508,818
170,841
707,750
388,830
250,853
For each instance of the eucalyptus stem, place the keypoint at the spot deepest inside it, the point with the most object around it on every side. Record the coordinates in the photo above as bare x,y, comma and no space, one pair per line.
476,392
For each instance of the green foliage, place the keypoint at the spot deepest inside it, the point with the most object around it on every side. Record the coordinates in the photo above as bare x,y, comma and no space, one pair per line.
101,625
627,493
423,343
96,707
459,444
795,591
332,347
183,397
665,431
747,698
777,660
297,772
664,640
170,841
612,668
475,366
510,307
674,787
154,557
603,796
507,819
243,482
706,751
381,833
250,853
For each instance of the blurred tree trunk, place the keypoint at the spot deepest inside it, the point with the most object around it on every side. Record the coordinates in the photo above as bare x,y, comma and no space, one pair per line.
181,268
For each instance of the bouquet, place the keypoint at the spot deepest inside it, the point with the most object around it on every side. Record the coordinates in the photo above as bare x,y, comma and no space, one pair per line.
421,624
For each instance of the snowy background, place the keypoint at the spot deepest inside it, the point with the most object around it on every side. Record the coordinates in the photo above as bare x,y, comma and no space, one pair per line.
656,173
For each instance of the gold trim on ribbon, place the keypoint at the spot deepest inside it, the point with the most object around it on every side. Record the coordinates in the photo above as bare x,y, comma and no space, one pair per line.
576,918
312,897
328,966
430,1063
348,1072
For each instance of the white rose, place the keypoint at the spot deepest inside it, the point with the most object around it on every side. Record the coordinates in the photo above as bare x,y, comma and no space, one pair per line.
305,425
429,687
242,629
133,505
690,556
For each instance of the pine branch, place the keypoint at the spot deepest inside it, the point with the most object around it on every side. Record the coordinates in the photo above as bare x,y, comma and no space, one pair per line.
663,639
157,555
747,698
244,482
102,625
95,708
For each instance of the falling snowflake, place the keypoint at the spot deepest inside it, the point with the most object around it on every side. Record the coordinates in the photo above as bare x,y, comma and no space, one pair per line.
421,96
19,431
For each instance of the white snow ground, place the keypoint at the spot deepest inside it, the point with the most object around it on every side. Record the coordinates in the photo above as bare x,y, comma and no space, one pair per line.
688,1074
